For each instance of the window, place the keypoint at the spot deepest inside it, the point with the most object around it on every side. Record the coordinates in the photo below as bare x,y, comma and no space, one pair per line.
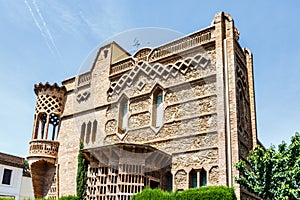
82,131
88,132
193,179
40,127
203,178
94,132
53,127
6,179
157,114
198,178
169,181
123,118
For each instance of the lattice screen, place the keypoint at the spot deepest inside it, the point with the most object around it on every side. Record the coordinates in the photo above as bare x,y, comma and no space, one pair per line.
118,182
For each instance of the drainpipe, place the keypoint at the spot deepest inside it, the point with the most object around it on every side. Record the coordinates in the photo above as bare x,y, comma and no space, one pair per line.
227,114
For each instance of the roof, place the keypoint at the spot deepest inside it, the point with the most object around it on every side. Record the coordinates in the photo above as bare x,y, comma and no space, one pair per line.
10,160
130,152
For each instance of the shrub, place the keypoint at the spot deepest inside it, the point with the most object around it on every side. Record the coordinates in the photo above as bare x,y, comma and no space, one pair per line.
149,193
207,193
69,198
202,193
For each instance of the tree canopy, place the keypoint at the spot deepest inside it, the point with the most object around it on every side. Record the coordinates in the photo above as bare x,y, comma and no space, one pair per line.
273,173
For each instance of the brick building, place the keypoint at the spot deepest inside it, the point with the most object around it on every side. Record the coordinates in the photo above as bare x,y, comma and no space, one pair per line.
176,116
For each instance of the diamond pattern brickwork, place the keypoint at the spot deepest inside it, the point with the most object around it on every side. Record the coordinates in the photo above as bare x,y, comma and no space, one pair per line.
49,104
159,70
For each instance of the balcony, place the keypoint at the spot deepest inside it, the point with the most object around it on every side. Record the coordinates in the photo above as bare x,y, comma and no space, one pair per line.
43,149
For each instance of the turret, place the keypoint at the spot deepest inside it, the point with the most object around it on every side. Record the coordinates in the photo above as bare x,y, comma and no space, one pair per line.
44,145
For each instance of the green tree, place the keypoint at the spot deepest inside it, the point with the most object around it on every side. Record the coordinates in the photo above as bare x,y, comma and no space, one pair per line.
273,173
26,167
81,174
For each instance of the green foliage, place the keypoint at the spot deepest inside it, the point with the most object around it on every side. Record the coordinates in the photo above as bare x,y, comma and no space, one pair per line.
81,174
26,169
151,194
208,193
6,198
274,174
202,193
69,198
26,165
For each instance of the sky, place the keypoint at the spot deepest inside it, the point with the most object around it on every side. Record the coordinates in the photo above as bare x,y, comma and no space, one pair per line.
47,40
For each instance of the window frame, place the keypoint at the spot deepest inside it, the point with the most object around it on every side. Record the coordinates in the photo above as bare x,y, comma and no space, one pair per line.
11,176
193,178
157,115
201,178
123,120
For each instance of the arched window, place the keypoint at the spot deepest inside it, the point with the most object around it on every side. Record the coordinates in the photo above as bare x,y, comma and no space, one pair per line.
203,178
88,132
157,111
193,179
197,178
123,116
94,132
53,127
40,127
83,126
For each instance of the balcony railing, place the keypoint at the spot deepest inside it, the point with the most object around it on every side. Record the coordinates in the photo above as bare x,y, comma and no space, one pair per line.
122,65
181,45
84,79
43,148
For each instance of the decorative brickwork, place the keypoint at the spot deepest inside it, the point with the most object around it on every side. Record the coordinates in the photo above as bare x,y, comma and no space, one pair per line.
44,148
176,116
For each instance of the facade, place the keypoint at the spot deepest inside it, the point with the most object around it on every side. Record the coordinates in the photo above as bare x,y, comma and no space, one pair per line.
15,182
176,116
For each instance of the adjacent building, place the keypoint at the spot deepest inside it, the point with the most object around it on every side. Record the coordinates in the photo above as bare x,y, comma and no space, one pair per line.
176,116
15,181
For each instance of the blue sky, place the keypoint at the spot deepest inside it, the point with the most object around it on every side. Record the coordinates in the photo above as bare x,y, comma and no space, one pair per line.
49,40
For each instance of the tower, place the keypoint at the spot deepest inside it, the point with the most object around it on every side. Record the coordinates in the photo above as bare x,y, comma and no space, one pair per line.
44,145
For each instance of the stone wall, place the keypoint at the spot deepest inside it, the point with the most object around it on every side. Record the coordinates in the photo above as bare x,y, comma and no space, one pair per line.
67,157
43,174
190,125
194,119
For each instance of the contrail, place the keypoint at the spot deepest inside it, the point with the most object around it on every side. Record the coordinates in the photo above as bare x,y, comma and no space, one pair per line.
38,25
45,26
42,28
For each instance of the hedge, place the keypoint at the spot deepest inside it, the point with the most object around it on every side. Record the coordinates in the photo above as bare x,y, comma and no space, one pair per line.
202,193
153,194
60,198
69,198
